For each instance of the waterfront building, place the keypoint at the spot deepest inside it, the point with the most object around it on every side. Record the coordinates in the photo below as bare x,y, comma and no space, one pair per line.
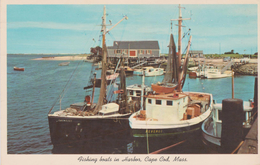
134,49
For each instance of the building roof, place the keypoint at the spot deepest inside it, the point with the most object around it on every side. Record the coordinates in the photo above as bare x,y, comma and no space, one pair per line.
135,45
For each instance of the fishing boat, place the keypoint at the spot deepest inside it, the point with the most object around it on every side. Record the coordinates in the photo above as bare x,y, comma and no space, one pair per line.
64,64
18,69
149,71
212,126
84,121
216,73
171,117
139,72
193,68
211,72
201,71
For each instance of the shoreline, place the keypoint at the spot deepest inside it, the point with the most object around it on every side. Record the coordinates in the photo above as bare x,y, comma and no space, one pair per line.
62,58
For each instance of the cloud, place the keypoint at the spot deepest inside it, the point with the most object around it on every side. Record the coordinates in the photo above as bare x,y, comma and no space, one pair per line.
50,25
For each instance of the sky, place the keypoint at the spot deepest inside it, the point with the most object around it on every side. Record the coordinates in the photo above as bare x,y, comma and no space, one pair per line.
51,29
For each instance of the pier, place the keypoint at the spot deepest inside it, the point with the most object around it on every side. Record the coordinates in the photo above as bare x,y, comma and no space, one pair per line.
250,145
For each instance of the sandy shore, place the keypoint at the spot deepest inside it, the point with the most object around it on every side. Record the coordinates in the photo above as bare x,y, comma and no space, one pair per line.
207,61
62,58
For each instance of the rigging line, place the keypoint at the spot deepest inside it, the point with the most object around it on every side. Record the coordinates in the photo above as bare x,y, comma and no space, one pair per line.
63,88
65,91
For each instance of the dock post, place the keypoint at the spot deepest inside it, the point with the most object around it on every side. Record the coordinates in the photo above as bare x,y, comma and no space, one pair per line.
232,124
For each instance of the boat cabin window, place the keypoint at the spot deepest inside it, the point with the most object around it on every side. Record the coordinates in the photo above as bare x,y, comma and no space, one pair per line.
149,101
169,102
219,115
138,93
158,102
131,92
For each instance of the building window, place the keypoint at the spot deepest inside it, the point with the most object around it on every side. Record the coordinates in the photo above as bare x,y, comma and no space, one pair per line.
149,101
147,51
131,92
140,52
158,102
138,93
169,102
118,51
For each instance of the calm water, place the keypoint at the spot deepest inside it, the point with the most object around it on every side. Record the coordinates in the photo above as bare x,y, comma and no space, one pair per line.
31,94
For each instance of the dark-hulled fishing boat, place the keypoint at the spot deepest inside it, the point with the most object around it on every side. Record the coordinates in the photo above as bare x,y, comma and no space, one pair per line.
86,120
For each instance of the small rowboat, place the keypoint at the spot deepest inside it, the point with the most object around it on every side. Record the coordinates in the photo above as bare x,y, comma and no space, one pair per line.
18,69
64,64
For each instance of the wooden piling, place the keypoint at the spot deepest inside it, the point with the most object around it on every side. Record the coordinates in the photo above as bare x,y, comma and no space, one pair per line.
232,124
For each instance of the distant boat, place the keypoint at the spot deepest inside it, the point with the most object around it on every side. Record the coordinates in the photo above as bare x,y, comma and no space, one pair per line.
64,64
215,73
149,71
193,68
18,69
154,72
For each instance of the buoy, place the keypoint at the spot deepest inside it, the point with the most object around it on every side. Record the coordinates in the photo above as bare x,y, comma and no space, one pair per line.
232,124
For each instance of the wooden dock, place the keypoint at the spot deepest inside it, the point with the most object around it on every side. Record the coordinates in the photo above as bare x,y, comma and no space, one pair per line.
250,145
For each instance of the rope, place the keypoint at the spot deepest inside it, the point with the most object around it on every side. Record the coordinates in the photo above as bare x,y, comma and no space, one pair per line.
238,147
147,144
166,148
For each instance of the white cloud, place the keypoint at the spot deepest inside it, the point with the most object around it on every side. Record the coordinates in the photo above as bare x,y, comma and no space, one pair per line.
50,25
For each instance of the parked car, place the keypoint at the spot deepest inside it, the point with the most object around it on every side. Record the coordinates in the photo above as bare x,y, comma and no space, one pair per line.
226,59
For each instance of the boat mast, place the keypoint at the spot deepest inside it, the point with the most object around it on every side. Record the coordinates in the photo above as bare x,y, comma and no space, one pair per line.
102,95
103,85
180,19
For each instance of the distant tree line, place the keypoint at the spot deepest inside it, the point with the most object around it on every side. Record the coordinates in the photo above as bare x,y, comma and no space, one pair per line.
231,52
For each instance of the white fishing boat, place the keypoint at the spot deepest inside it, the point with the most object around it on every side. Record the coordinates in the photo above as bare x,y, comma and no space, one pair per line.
193,68
139,72
149,71
216,73
212,127
154,72
202,71
172,116
211,72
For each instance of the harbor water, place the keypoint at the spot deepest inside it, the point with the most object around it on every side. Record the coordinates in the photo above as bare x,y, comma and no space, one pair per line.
33,92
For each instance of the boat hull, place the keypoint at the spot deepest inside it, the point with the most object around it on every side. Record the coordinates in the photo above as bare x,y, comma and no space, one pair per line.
215,76
18,69
192,75
156,72
166,132
154,140
69,130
